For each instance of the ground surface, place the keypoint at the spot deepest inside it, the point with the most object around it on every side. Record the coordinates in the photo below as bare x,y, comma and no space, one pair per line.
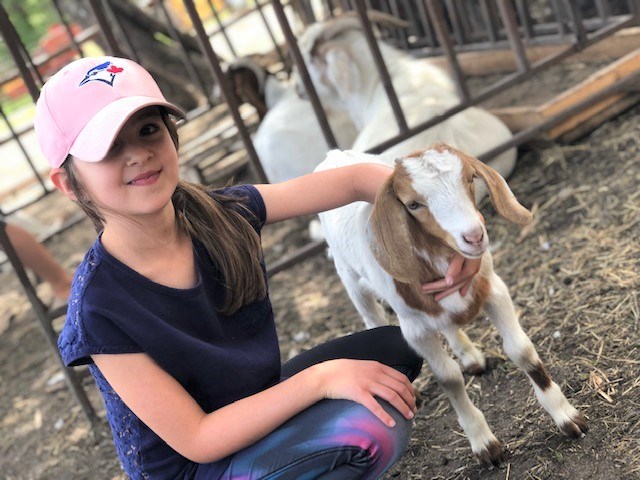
574,277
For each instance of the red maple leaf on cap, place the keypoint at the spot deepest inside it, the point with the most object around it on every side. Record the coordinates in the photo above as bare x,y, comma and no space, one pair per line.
114,69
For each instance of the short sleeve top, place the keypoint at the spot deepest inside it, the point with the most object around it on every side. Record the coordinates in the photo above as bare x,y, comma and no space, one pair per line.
217,358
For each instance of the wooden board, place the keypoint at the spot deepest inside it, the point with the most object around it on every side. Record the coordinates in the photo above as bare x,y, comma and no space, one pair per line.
520,118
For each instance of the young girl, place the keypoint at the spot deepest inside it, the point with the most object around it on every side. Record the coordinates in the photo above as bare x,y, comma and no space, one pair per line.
170,306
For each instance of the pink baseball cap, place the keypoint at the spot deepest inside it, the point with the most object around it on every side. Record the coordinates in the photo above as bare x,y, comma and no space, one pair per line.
83,106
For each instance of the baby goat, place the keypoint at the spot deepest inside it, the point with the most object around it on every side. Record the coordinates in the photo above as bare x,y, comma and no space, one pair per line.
423,215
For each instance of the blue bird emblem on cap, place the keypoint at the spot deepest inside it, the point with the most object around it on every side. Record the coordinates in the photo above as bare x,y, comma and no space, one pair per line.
105,72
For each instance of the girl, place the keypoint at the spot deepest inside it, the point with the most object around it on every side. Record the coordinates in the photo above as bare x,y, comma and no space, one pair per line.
170,306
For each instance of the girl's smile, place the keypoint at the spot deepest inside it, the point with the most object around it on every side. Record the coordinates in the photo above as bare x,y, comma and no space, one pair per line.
146,178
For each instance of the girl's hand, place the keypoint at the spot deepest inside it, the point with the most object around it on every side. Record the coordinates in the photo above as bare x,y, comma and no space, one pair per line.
361,380
458,278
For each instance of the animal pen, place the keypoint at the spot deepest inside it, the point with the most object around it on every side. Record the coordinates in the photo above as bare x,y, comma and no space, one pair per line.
506,43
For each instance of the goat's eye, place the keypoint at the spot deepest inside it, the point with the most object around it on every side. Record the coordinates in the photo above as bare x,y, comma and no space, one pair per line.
413,205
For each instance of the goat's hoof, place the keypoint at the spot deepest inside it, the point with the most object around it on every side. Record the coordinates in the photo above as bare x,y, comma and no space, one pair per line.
575,427
475,369
491,454
419,399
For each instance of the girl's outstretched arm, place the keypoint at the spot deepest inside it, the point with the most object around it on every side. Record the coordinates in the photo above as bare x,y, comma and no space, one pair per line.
323,190
163,404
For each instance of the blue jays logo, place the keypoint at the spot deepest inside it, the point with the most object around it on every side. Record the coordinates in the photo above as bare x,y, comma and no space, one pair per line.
105,72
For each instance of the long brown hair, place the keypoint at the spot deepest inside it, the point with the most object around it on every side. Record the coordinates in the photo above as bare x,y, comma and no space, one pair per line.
212,219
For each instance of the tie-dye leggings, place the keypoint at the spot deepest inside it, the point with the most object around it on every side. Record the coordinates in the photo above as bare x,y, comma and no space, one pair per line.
334,439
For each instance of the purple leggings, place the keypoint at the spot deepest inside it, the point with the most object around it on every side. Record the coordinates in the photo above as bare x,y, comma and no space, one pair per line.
333,439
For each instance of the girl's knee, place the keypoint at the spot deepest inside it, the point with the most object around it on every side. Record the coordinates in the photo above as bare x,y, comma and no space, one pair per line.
384,445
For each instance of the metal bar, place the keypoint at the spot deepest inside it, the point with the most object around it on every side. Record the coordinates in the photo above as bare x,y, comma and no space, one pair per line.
133,54
454,17
16,137
185,58
491,27
281,54
44,320
525,19
527,134
302,253
424,23
560,17
227,91
395,11
576,20
222,28
604,10
510,24
380,65
105,28
437,18
64,22
304,74
12,41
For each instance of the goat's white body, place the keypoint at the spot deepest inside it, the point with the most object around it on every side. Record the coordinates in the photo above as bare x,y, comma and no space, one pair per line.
349,235
289,140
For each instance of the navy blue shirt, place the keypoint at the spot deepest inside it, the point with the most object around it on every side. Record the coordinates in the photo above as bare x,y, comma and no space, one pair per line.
218,359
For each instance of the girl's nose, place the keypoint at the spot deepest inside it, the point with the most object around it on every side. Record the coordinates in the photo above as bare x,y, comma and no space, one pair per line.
138,155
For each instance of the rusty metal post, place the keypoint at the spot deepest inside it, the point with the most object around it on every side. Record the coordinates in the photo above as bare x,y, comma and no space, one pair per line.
67,27
12,41
380,65
223,30
186,60
511,26
105,28
304,74
227,91
446,42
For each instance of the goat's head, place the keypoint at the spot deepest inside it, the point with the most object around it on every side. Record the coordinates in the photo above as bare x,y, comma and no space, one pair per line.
328,59
428,205
248,78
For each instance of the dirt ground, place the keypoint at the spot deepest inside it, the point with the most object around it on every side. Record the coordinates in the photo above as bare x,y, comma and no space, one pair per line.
574,280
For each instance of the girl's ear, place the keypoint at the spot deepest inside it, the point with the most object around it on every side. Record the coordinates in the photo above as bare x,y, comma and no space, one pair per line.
60,179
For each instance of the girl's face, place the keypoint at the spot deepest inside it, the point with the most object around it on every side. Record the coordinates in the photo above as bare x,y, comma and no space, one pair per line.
140,172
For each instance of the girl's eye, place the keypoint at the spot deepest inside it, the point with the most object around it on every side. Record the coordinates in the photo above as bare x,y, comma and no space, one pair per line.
148,129
413,206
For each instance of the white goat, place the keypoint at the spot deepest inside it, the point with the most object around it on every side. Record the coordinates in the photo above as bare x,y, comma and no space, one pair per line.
423,215
344,74
289,140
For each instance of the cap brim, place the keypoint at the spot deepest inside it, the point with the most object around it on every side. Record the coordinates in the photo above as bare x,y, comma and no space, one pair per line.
94,141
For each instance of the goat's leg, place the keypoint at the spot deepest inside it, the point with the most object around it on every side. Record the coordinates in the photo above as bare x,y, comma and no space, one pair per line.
471,358
520,349
363,298
484,445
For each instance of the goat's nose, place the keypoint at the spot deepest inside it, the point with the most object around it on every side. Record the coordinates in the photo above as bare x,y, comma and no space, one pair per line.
474,236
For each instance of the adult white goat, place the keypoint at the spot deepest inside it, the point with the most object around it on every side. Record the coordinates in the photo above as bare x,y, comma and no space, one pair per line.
345,75
288,140
423,215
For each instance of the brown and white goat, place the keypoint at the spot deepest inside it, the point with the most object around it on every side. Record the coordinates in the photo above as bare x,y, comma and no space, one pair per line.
423,215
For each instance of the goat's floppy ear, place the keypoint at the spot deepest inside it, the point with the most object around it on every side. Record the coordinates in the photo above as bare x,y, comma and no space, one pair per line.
501,195
392,245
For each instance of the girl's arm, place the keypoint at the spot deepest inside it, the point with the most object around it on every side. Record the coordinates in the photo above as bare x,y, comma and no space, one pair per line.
334,188
163,404
323,190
